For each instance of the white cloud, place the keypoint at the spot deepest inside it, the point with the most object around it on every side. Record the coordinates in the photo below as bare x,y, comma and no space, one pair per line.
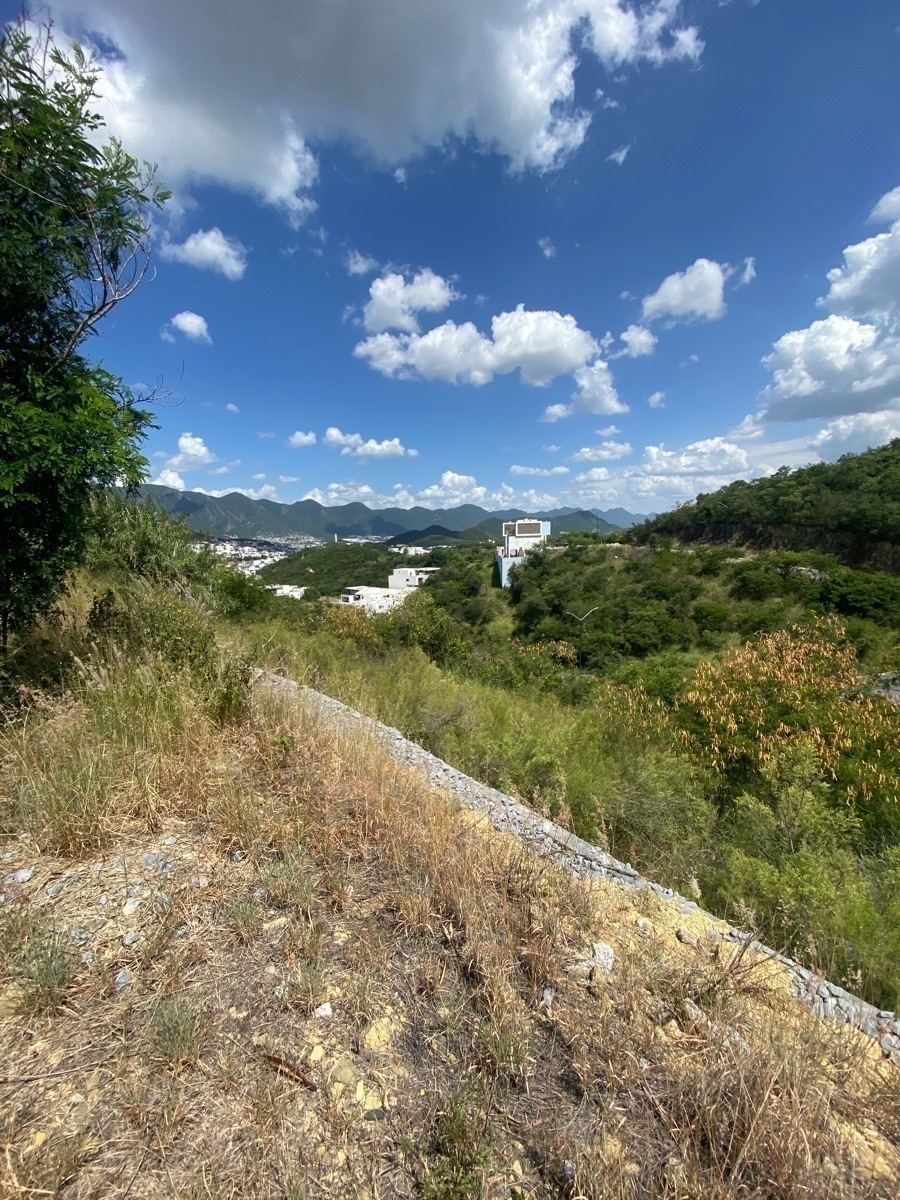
547,248
191,324
596,394
619,156
868,283
210,250
697,292
552,448
300,439
193,454
170,478
715,454
223,470
594,475
543,472
887,210
232,408
360,264
657,400
639,342
400,175
834,367
354,445
265,434
748,274
605,452
288,478
540,345
452,490
232,100
393,303
267,492
608,431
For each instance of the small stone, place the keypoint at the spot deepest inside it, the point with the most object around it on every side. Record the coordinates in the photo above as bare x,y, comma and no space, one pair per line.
54,889
170,841
323,1011
152,860
604,957
20,876
238,856
547,996
77,934
162,902
130,907
643,925
199,881
270,969
375,1114
686,937
124,979
104,899
693,1011
130,938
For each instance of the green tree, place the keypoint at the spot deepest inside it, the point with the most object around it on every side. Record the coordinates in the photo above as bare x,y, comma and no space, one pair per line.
76,221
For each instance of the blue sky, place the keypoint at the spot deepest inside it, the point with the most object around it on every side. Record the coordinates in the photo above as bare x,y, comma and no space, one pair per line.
407,240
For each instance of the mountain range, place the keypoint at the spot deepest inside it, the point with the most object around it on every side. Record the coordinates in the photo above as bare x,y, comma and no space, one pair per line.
236,515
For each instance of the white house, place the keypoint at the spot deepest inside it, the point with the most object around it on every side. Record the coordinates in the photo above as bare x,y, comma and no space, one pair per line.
518,538
374,599
286,589
409,577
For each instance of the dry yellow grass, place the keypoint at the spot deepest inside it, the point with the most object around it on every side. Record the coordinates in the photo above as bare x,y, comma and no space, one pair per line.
460,1057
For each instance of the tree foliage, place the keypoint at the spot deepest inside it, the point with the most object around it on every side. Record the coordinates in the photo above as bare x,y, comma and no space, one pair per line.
851,506
76,220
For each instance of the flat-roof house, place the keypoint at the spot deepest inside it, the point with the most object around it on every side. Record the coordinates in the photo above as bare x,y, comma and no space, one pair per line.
518,538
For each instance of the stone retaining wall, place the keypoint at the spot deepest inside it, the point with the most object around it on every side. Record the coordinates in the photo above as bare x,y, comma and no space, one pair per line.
825,999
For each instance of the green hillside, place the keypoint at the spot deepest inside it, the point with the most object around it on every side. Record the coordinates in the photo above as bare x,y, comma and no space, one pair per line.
333,567
850,508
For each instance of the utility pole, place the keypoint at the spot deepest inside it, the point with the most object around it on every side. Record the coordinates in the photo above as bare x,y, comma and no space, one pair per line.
581,621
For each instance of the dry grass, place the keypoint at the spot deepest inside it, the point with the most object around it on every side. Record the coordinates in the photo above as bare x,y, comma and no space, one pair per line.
460,1058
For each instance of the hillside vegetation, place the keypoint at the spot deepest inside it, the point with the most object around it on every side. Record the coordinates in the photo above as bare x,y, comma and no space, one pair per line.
336,565
244,956
850,507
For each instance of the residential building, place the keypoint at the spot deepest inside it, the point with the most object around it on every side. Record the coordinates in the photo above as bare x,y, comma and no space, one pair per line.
518,538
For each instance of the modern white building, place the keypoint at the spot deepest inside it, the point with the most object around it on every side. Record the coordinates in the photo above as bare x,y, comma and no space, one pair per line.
518,538
409,577
373,599
286,589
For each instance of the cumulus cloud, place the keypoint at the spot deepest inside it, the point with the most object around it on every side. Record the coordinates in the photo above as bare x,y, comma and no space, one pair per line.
847,363
543,472
835,366
193,454
887,210
356,446
639,342
232,408
190,324
596,394
657,400
552,448
539,345
547,248
210,250
868,282
169,478
231,102
695,293
288,478
605,452
360,264
299,438
395,302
